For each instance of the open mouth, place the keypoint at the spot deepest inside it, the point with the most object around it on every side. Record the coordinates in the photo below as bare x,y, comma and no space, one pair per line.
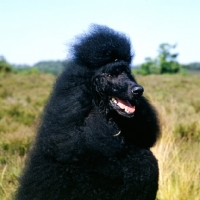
122,106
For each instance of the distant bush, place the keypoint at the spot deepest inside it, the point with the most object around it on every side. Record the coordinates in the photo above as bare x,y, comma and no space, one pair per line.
5,67
149,67
30,70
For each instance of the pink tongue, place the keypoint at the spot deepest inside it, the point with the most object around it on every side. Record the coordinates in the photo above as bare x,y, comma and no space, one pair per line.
125,104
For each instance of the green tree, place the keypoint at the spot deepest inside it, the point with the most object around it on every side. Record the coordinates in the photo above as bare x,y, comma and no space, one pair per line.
5,67
165,62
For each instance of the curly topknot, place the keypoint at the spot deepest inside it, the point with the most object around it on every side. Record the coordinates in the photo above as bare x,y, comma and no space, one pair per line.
101,46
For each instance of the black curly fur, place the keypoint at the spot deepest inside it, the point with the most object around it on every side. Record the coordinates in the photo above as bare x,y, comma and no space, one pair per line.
77,154
101,46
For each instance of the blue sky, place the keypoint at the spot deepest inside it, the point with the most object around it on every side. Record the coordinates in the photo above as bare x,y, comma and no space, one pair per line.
35,30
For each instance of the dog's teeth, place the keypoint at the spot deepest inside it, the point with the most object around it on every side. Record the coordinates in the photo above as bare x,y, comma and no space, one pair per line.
126,110
114,100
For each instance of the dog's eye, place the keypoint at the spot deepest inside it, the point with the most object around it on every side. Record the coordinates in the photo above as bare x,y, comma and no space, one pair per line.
108,75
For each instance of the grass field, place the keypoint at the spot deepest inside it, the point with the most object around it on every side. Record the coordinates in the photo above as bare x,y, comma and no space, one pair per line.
177,99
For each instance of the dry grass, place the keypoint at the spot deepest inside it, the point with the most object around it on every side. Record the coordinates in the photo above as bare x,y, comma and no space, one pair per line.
21,100
178,150
177,99
178,162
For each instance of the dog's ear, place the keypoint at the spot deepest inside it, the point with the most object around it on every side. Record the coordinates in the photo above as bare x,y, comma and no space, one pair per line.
98,89
98,85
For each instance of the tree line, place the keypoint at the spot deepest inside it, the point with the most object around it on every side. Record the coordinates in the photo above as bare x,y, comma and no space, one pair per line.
165,62
50,67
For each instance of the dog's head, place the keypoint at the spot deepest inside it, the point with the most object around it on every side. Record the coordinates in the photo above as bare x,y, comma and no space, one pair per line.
116,89
108,54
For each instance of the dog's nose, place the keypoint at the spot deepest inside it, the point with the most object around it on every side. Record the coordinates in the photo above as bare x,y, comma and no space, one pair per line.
137,91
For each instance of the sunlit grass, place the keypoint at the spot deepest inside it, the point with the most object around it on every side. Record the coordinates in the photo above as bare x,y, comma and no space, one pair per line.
179,164
177,98
178,150
21,101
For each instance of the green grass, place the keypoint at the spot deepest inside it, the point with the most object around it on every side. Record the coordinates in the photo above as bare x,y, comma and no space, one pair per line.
22,98
177,98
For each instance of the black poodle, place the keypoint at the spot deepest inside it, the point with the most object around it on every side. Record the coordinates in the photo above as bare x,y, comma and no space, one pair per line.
94,139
